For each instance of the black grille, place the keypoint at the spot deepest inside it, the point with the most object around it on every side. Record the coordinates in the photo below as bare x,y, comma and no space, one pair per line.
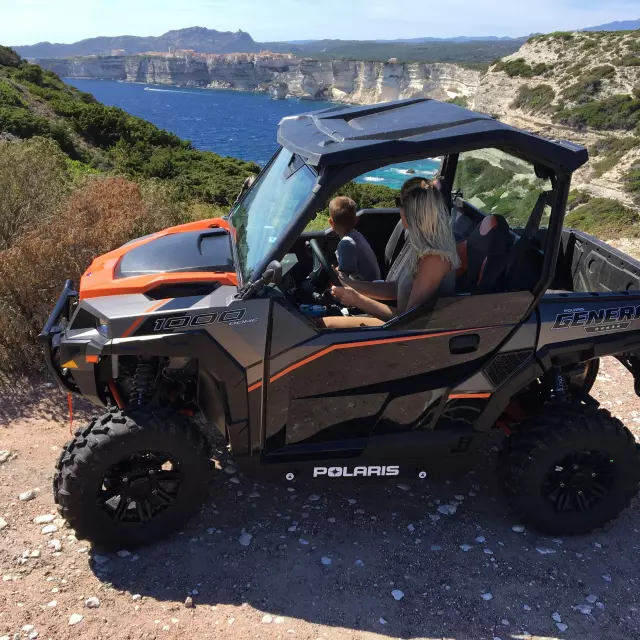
504,364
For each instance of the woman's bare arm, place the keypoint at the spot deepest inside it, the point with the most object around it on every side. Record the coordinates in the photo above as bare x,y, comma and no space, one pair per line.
431,271
349,297
376,290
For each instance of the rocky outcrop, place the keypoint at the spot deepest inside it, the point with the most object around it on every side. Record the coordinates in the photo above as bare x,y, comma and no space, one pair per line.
342,80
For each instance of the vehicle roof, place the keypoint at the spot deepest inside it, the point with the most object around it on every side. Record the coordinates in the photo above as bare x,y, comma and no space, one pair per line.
408,128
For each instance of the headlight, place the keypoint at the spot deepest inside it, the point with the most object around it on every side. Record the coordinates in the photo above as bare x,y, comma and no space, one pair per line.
103,330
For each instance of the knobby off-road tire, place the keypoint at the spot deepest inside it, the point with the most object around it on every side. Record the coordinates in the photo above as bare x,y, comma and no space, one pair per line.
568,457
132,444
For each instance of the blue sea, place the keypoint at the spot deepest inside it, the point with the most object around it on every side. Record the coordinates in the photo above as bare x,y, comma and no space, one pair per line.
231,123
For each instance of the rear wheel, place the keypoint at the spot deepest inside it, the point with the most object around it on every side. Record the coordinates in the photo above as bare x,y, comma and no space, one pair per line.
570,469
130,478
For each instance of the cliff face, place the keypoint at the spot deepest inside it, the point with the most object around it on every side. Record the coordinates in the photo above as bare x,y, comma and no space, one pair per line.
582,87
347,81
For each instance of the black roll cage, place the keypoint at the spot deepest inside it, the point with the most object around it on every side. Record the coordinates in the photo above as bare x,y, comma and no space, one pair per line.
333,177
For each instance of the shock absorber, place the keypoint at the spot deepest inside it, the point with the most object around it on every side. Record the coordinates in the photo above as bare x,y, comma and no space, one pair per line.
560,387
143,382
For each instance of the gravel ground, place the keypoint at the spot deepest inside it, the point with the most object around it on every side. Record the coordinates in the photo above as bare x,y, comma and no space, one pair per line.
439,558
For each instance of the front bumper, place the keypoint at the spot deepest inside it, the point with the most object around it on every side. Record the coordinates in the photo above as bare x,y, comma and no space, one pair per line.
52,332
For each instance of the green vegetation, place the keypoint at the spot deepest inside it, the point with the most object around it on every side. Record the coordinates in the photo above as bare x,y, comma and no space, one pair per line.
632,181
577,198
503,189
78,179
620,111
461,101
589,84
535,99
34,102
605,218
561,35
366,196
478,52
556,35
54,220
628,60
610,150
520,68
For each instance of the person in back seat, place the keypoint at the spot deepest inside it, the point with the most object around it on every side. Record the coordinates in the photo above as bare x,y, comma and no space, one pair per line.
356,258
425,267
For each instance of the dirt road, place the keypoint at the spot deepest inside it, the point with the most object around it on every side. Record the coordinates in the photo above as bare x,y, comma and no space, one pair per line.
440,558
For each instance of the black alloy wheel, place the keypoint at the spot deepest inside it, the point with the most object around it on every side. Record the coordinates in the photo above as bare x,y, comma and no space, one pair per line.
117,485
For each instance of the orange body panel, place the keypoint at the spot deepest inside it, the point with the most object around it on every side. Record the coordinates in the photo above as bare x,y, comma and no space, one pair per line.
98,279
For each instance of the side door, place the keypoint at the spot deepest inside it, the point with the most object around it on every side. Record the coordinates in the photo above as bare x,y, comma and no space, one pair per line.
330,390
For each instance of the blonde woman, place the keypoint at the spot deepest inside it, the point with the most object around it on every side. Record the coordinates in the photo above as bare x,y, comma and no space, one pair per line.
426,266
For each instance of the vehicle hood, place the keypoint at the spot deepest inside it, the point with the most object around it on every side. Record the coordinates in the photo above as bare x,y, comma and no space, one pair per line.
183,257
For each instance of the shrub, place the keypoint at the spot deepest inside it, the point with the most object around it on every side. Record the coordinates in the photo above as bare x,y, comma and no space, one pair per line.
589,84
535,99
620,111
98,217
629,60
519,67
26,124
461,101
577,198
30,73
604,218
9,58
612,149
9,97
562,35
476,176
34,177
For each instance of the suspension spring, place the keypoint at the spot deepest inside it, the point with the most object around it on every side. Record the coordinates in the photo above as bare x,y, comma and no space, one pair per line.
143,383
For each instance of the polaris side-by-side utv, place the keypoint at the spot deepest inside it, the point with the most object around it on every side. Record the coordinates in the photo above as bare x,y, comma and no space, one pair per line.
217,318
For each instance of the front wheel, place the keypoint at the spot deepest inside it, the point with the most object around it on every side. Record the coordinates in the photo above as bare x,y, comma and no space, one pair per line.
130,478
570,469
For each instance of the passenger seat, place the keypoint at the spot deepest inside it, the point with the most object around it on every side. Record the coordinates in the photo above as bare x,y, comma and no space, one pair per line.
484,257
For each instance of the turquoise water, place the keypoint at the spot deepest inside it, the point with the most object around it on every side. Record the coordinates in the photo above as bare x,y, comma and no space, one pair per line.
231,123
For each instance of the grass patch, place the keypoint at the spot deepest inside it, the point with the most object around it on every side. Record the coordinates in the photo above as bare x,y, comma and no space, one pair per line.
628,60
589,84
611,150
605,218
632,181
577,198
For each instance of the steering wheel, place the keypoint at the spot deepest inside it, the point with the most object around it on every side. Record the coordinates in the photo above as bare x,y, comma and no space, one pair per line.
324,263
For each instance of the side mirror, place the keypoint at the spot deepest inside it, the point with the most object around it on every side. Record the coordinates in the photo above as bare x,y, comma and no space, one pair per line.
273,273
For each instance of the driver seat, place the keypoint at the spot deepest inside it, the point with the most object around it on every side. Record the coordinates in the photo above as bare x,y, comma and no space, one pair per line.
396,242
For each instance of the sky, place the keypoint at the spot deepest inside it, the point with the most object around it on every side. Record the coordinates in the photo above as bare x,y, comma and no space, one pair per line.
30,21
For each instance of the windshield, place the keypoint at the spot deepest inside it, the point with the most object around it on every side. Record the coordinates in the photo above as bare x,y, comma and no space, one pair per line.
260,218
